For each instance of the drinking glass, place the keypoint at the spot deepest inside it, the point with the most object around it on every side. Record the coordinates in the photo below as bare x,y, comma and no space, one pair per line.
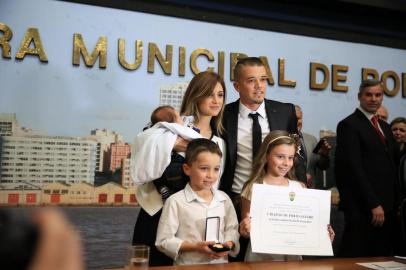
137,257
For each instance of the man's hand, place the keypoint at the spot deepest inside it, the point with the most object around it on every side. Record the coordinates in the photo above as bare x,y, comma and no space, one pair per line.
378,216
325,149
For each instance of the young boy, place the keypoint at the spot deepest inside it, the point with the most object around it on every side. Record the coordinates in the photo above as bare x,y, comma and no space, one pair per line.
182,226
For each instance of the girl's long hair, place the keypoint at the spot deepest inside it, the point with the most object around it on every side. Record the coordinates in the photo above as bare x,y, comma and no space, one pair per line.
259,168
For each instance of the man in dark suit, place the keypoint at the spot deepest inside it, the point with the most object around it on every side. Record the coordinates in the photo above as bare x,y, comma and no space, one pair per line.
250,81
241,119
314,162
366,177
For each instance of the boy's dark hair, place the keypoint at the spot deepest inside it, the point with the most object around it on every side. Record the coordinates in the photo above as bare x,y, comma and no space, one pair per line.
162,114
198,146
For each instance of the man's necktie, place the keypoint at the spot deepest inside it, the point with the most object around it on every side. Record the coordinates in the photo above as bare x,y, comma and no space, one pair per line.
303,151
256,134
375,122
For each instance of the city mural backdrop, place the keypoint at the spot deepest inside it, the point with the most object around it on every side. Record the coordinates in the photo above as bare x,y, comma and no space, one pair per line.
83,80
53,88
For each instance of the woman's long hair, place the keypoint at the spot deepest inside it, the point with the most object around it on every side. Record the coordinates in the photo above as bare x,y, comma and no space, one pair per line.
200,87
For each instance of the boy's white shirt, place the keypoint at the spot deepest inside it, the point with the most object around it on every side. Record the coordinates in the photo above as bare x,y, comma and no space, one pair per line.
183,219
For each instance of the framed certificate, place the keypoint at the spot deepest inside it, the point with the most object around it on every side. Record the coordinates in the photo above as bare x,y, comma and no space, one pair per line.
292,221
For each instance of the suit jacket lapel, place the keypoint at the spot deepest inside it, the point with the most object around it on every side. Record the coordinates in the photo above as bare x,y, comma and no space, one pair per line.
369,128
232,129
386,132
270,113
390,146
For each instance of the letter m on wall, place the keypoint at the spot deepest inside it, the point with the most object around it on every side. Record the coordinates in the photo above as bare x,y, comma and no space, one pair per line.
79,49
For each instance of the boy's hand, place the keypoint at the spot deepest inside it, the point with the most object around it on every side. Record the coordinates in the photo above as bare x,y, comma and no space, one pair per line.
204,248
219,255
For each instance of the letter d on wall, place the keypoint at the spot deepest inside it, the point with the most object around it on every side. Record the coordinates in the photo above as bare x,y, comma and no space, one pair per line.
314,68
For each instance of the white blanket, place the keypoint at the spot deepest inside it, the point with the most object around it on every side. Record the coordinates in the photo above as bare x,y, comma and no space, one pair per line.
152,148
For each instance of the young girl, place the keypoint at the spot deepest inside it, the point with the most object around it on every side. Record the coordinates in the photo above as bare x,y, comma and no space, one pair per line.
273,166
182,227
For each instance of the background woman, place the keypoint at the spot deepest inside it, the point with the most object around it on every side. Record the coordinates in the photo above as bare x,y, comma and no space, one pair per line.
398,126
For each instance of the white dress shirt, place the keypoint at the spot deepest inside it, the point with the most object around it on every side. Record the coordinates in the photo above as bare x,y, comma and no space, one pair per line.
184,219
244,143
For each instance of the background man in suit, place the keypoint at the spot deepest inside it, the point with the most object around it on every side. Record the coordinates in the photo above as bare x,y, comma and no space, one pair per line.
243,120
312,161
383,113
366,176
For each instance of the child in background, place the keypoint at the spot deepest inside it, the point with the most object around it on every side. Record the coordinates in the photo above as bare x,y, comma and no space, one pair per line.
273,166
168,114
182,226
165,113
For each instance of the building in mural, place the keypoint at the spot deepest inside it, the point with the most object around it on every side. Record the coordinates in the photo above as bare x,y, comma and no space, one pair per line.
40,160
104,139
113,193
126,180
172,94
26,194
118,152
81,194
22,193
8,124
